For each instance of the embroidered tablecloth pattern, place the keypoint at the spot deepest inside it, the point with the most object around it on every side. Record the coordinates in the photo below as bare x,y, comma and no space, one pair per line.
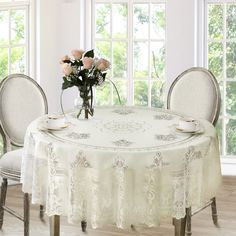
123,166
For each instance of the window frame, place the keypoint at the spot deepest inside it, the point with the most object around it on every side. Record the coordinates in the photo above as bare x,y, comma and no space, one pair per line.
130,41
29,44
228,159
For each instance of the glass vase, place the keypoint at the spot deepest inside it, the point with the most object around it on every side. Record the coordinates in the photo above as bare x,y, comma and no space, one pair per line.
85,103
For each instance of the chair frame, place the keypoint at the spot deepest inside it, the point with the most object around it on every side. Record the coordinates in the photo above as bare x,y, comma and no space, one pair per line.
213,120
8,140
216,113
7,144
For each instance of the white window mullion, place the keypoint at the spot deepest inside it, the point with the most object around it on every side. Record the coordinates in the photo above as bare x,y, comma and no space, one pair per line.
130,87
149,55
93,18
88,25
224,87
9,38
27,41
31,37
111,59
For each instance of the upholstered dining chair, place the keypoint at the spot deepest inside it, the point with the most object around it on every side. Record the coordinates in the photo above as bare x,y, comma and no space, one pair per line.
21,101
196,93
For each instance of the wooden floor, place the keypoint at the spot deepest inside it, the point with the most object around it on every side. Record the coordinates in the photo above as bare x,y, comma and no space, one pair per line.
202,224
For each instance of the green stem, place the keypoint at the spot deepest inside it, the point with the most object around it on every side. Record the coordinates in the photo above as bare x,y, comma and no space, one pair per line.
62,109
78,115
116,90
86,113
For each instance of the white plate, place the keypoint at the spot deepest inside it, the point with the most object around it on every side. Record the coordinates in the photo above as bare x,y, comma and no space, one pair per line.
53,128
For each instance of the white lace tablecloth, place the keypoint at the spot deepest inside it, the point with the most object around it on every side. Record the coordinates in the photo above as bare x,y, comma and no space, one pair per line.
123,166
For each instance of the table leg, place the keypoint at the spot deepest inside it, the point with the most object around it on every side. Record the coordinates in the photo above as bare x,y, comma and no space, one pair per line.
179,226
55,225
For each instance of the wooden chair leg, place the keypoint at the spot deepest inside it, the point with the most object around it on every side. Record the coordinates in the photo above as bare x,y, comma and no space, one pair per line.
55,225
188,222
83,225
41,213
26,214
2,200
179,226
132,227
214,212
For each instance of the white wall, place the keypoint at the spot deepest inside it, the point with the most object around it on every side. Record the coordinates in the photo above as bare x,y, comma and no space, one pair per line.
180,37
57,34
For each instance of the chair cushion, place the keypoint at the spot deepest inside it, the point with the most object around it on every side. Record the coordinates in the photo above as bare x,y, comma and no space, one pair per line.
10,164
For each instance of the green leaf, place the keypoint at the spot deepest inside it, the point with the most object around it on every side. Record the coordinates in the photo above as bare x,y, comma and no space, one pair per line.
83,73
67,61
66,84
104,75
77,63
89,54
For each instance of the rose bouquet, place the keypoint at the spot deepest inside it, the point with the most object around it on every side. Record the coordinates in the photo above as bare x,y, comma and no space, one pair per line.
84,71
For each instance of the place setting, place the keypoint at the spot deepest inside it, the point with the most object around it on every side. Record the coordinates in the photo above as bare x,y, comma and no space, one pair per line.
188,125
53,123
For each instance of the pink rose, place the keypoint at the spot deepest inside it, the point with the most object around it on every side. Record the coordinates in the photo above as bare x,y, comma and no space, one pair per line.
88,62
67,69
77,54
65,58
103,64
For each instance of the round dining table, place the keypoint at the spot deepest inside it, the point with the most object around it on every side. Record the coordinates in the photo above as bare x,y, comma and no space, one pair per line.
124,166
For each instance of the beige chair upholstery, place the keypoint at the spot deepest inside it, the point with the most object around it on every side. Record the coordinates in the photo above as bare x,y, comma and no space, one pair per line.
11,164
196,93
21,101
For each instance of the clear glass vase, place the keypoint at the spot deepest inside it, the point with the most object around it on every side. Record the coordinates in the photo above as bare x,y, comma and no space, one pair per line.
84,102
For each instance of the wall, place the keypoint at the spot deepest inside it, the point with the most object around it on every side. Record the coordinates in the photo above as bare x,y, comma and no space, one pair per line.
180,37
57,33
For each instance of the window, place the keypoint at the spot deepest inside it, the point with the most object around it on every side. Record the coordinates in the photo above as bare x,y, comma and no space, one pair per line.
14,37
221,59
131,34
